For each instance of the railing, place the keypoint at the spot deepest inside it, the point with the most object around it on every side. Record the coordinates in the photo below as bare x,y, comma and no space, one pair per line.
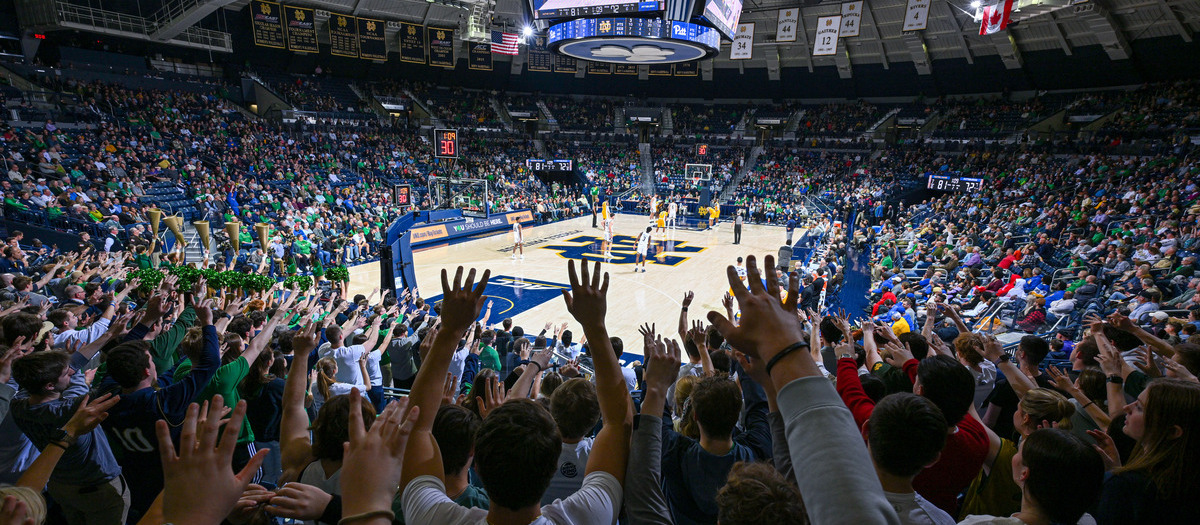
89,17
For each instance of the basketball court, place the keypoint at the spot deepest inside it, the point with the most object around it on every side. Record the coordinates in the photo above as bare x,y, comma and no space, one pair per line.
530,290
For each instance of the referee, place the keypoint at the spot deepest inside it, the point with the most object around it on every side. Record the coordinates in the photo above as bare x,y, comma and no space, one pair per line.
737,226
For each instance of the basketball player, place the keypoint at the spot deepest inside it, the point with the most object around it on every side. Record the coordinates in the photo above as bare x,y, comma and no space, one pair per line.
643,247
672,210
518,241
608,238
661,222
714,215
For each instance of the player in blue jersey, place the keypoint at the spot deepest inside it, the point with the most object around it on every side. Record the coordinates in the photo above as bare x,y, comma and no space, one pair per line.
148,396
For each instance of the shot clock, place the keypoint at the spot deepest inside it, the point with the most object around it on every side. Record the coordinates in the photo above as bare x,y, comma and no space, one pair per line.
445,143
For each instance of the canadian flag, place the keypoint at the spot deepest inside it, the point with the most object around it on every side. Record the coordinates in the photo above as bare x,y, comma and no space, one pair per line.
996,17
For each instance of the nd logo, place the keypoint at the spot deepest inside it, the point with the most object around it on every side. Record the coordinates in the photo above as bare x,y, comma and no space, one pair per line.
624,250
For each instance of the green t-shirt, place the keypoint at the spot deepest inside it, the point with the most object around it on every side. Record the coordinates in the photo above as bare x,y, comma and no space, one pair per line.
224,383
303,247
489,358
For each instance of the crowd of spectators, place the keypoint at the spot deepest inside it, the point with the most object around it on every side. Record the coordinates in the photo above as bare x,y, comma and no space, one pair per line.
576,114
690,119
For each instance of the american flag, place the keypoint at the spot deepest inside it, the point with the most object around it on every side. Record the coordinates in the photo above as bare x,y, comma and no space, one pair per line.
504,43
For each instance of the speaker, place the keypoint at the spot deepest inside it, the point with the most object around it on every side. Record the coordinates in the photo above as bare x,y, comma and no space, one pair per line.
784,260
387,277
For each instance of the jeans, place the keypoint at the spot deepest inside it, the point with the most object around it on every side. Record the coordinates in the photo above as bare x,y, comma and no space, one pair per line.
324,256
351,252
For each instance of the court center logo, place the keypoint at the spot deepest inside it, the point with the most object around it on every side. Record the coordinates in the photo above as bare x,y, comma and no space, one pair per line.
624,250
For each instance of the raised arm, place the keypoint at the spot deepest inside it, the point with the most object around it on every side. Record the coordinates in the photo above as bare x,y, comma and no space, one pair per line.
460,306
645,502
683,315
1158,345
993,351
827,448
587,301
294,445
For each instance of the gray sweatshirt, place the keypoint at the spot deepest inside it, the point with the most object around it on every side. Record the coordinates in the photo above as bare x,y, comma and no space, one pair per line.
834,472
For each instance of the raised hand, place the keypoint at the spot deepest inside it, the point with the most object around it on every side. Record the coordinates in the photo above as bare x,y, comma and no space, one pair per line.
687,298
767,327
493,396
1061,381
89,414
203,457
373,459
461,303
662,362
1107,449
587,300
305,340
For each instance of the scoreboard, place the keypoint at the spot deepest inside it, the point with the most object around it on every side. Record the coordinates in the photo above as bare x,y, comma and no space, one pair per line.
445,143
954,183
550,165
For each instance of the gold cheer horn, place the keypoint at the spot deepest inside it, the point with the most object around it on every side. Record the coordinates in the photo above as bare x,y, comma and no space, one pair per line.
202,228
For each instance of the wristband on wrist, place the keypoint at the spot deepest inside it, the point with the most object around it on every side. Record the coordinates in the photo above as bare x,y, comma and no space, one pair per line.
1116,379
1004,358
783,353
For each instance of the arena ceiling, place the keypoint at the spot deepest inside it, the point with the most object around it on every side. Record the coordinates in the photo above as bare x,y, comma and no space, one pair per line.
951,34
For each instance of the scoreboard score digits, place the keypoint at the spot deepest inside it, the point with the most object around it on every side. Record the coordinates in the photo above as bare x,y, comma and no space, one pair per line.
954,183
445,143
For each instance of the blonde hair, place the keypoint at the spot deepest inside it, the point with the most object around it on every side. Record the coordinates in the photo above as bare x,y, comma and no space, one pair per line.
1044,404
326,369
33,500
683,406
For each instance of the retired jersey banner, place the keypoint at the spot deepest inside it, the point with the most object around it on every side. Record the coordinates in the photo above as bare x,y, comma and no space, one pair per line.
266,18
564,64
343,35
301,29
789,22
538,59
480,56
743,42
916,15
441,46
599,68
687,69
851,18
625,69
827,35
371,43
659,70
412,43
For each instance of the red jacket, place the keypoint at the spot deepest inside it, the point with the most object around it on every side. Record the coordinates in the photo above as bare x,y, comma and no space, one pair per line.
961,459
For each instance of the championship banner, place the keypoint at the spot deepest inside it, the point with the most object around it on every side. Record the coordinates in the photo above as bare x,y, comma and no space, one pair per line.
301,29
687,69
538,59
371,43
659,70
479,56
851,18
441,46
412,43
916,15
625,69
599,68
564,64
789,21
268,26
343,36
827,35
743,42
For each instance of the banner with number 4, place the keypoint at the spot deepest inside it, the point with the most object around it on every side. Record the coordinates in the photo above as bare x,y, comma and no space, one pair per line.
743,42
851,18
789,20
